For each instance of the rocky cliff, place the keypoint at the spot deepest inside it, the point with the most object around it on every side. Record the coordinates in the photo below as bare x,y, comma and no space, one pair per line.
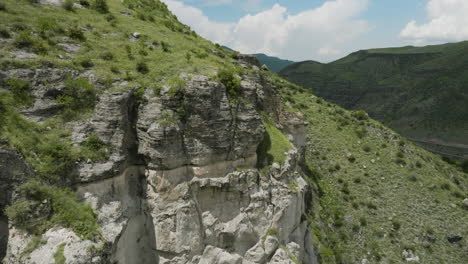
181,184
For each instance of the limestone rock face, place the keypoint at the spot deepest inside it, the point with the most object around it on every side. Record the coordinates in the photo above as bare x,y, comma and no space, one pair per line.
181,185
197,126
113,124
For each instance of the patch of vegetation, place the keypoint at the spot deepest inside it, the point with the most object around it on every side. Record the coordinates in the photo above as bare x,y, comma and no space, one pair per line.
94,148
65,210
272,231
142,67
360,115
76,33
4,33
100,6
293,186
24,40
78,97
176,85
59,258
21,90
68,5
229,80
273,146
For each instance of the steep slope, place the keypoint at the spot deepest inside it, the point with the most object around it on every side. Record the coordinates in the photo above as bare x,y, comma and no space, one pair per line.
273,63
127,138
419,92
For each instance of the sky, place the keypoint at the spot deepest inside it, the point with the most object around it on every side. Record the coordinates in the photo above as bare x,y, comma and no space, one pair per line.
323,30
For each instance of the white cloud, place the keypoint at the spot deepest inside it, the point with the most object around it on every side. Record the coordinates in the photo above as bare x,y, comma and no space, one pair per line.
322,33
448,21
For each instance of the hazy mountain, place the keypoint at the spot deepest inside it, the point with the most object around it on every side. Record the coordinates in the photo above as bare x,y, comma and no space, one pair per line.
273,63
421,92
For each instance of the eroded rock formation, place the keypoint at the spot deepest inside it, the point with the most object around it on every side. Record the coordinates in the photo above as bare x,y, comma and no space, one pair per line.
181,183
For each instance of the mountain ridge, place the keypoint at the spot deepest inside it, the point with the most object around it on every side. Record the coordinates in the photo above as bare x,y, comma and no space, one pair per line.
389,82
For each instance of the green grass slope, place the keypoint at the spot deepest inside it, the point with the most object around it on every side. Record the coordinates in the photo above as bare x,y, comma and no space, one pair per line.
378,194
375,194
421,92
273,63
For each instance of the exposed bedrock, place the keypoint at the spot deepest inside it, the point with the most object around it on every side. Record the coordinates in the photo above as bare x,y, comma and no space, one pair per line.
181,185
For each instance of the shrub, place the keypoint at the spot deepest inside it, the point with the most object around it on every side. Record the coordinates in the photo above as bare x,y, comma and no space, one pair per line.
363,221
101,6
79,96
107,55
114,69
464,166
21,89
47,24
360,115
445,186
396,225
366,148
75,32
110,18
94,148
231,82
23,40
86,63
68,5
371,205
418,164
3,7
142,67
400,154
84,3
361,132
355,205
4,33
351,158
188,57
413,178
165,46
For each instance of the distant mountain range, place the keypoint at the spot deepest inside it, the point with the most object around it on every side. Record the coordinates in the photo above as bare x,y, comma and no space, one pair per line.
273,63
421,92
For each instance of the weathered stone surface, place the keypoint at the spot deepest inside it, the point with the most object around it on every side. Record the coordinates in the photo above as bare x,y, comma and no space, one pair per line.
180,185
112,123
197,127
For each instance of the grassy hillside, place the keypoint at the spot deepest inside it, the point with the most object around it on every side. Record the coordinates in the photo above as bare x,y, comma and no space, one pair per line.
421,92
273,63
375,195
378,194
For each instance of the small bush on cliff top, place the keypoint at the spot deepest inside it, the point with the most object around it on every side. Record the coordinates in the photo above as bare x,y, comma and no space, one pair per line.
101,6
232,83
